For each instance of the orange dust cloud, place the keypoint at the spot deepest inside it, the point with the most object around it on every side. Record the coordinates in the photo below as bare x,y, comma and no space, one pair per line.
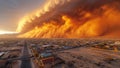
73,19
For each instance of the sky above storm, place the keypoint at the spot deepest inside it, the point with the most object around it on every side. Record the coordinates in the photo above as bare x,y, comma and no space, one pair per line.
11,11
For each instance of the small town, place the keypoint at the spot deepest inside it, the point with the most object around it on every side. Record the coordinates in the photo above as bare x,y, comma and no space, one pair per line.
59,53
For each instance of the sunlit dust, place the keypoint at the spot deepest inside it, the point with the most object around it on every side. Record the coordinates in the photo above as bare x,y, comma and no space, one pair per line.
7,32
72,19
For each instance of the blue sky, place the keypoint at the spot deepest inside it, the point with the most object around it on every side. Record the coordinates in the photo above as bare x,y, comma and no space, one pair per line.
11,11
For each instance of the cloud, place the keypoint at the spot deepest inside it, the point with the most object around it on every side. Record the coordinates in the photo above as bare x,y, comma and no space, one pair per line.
73,18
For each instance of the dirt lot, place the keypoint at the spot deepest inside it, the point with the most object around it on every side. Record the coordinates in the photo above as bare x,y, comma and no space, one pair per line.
90,58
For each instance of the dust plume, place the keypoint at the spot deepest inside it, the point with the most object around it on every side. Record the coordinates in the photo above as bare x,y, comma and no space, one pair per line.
73,19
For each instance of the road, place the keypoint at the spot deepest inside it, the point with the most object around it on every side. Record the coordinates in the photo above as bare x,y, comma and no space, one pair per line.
26,62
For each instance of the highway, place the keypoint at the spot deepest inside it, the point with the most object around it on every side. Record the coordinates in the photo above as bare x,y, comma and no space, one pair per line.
26,63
